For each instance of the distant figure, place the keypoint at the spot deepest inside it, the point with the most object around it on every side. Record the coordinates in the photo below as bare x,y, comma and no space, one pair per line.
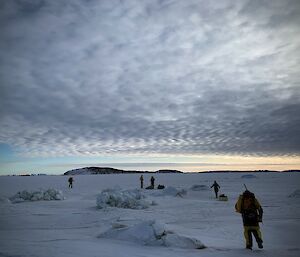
142,181
252,213
152,181
70,180
216,187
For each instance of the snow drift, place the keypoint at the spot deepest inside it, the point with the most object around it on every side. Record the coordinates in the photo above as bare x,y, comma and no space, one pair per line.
39,195
199,188
4,200
249,176
128,199
170,191
151,233
295,194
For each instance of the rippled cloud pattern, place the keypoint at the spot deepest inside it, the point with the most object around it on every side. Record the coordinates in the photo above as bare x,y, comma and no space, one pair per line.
87,77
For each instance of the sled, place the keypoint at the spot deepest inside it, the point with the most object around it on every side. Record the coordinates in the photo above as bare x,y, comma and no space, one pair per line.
223,198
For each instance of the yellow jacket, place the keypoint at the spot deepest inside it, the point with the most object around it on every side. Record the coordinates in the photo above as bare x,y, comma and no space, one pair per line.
238,205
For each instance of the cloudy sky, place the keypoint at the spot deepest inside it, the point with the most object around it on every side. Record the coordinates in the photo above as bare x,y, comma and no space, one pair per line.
194,85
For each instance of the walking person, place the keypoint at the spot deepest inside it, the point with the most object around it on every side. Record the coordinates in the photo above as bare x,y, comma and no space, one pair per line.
142,181
70,180
252,214
152,182
216,187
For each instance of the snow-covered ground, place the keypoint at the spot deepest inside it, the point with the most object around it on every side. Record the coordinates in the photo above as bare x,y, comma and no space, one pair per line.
171,222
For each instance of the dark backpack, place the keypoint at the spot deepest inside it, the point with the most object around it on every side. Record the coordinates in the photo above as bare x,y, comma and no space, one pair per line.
160,187
249,210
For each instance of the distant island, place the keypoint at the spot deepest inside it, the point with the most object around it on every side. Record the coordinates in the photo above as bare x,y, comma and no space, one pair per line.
109,170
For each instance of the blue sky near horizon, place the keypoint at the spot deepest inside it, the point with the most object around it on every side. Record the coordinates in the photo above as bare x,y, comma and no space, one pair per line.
193,85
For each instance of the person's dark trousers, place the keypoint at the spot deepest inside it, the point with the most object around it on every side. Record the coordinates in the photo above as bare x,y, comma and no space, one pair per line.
216,192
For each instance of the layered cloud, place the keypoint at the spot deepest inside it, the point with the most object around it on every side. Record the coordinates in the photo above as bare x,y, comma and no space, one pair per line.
186,77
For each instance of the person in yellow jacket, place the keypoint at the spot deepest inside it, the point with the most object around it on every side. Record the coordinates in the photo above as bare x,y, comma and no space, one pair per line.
252,213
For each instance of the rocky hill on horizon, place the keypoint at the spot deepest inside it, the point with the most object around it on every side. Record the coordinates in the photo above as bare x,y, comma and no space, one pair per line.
108,170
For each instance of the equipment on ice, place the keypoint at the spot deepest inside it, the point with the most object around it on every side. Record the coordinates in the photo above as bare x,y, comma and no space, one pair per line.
223,197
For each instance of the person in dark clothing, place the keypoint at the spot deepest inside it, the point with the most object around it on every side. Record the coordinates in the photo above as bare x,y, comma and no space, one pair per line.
216,187
252,214
70,180
142,181
152,181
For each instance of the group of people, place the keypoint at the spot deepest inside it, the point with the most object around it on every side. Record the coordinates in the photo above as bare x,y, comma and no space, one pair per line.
247,205
250,209
152,180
